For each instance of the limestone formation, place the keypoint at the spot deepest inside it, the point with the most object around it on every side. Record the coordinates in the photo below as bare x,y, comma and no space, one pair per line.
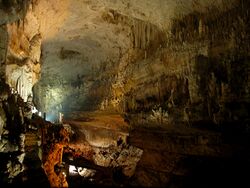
177,71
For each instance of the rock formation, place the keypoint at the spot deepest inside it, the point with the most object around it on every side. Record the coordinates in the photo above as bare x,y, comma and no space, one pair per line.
169,67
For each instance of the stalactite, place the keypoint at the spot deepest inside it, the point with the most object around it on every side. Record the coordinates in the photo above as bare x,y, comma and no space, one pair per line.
146,35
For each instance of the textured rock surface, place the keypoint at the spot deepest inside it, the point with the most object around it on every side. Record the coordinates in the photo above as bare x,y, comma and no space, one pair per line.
161,63
20,47
192,78
131,60
23,56
12,136
63,145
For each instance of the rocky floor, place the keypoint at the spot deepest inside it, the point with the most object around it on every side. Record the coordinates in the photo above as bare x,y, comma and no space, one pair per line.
181,156
105,136
33,174
190,157
173,156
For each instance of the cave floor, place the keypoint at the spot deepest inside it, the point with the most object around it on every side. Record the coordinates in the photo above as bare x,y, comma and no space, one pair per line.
98,119
175,155
33,174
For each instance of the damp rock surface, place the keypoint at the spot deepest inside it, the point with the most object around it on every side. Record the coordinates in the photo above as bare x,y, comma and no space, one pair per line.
133,93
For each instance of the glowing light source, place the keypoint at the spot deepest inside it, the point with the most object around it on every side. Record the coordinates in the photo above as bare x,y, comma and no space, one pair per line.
72,170
64,174
51,117
34,110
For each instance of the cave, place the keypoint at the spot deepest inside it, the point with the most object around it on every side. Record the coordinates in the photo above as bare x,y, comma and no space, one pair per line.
109,93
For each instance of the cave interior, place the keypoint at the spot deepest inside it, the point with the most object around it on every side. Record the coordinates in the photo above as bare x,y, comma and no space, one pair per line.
146,93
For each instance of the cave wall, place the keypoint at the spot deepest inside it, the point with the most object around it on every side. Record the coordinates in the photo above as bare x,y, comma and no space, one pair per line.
185,73
23,55
20,52
76,77
17,51
10,11
199,74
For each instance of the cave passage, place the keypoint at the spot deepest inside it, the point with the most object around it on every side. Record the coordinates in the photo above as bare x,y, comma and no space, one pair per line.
146,93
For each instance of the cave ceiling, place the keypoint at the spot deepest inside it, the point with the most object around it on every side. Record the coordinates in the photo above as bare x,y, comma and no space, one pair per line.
86,32
86,43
